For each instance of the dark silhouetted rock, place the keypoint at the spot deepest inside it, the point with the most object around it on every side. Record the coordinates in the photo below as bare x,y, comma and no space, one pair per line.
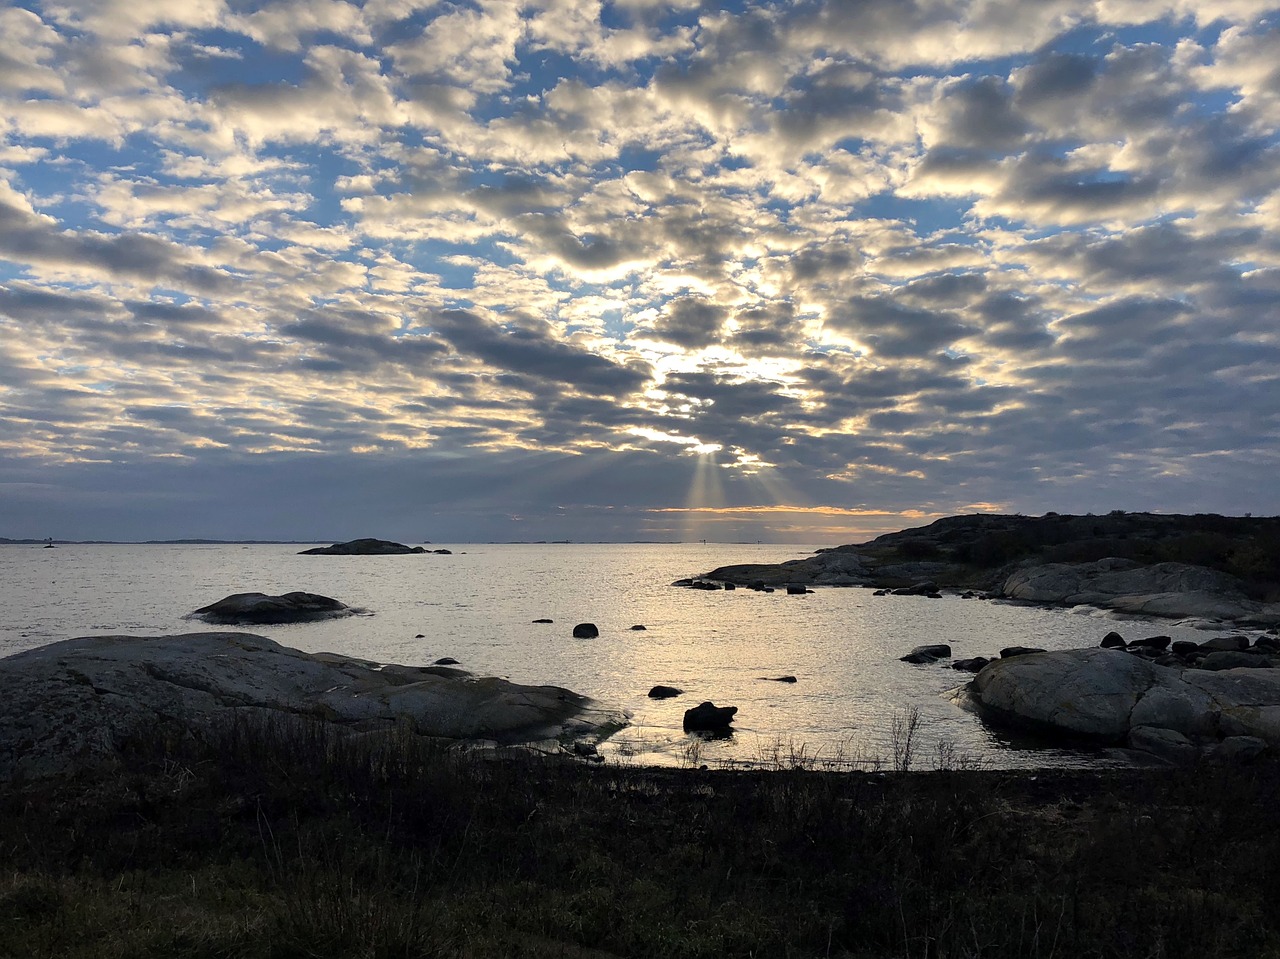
1226,643
1184,647
1010,651
927,588
709,716
779,679
585,631
970,665
362,547
1152,642
796,589
420,636
664,692
443,552
259,609
446,661
923,655
544,620
1113,640
730,586
637,627
1234,659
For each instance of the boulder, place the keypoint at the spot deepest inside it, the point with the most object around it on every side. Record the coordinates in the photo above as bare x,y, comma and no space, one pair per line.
1152,642
71,704
1232,659
637,628
1096,694
1226,643
664,692
708,716
363,547
1010,651
797,589
259,609
1167,744
585,631
537,621
445,661
970,665
922,655
778,679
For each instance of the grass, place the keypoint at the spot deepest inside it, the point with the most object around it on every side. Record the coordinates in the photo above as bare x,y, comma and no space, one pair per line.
285,842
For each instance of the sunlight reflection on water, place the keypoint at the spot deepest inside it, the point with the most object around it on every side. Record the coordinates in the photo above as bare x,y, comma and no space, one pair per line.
478,606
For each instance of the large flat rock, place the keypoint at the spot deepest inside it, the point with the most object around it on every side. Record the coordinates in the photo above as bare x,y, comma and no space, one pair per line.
67,705
1108,695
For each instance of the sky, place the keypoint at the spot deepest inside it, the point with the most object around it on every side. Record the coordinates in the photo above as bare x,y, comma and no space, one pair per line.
484,270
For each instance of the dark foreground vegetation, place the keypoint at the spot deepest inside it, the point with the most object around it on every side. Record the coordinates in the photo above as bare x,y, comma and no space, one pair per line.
284,842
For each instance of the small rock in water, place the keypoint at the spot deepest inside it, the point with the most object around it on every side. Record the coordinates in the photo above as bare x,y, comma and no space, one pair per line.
585,631
709,716
796,589
420,636
664,692
970,665
923,655
544,620
1113,640
1010,651
637,627
778,679
1152,642
446,661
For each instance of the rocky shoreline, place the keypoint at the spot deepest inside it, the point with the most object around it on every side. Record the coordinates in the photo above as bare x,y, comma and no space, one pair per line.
70,705
1204,566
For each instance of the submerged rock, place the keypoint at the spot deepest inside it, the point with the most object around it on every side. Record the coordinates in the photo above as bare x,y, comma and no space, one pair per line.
71,704
586,631
259,609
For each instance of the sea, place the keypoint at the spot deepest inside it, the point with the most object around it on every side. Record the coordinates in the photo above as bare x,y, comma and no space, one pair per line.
854,704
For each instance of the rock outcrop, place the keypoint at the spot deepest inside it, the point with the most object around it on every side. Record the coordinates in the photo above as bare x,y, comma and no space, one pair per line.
1203,566
1110,697
259,609
1163,589
365,547
71,704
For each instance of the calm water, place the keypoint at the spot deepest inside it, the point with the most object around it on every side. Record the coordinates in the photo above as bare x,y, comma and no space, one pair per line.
477,606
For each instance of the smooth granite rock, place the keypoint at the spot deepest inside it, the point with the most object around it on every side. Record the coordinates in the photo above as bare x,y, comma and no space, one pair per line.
259,609
1104,695
69,704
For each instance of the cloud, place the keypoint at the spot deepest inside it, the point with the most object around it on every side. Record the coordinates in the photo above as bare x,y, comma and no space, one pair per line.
879,255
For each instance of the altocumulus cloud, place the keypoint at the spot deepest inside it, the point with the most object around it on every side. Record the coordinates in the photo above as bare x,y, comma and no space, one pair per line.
506,269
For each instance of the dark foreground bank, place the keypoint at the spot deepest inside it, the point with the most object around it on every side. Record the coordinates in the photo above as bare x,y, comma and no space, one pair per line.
290,842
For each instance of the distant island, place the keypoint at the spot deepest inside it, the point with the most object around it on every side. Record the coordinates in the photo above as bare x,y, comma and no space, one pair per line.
1176,565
